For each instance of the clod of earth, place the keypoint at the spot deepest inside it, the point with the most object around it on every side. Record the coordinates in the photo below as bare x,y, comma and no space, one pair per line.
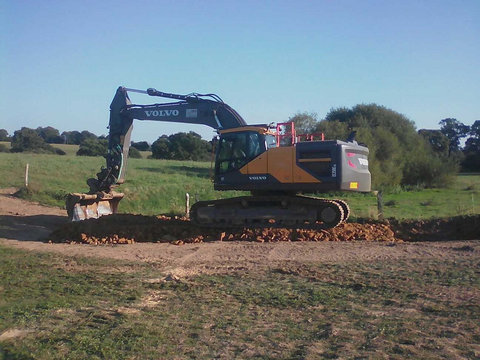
129,229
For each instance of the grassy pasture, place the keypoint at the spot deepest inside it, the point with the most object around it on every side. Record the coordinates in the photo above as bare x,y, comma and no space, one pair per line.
70,150
159,186
57,307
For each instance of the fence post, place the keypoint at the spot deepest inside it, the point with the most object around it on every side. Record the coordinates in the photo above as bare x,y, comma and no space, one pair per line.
187,205
380,205
26,175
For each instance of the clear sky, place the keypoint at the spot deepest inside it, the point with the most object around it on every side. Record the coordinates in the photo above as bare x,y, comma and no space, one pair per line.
61,61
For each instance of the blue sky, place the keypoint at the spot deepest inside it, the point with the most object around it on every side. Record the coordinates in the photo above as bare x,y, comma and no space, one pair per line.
61,61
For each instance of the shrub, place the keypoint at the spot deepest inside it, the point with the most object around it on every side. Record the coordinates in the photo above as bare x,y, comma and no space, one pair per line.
59,151
4,135
134,153
141,145
182,146
28,140
161,148
93,147
428,170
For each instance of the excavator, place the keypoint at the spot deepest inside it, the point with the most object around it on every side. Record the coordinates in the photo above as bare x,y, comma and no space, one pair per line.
275,165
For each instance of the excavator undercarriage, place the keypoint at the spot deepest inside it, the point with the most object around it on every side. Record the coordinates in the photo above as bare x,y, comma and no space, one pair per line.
278,211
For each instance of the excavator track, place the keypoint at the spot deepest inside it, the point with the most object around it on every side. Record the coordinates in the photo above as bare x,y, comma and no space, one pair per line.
345,208
270,211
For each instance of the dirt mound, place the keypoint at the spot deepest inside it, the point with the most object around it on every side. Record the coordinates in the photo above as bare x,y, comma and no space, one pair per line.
454,228
128,229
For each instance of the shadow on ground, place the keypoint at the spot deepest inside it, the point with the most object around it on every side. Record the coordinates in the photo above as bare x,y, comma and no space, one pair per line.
29,228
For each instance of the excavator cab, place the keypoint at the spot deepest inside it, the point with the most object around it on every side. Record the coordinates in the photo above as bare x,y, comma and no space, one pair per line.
236,148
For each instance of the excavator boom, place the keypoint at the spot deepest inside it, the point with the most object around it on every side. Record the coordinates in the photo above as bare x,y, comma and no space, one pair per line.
191,109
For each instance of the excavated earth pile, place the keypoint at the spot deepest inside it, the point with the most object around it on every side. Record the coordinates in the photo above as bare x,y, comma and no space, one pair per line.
129,229
453,228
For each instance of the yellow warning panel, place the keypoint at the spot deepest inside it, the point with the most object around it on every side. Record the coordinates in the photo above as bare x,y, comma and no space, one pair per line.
353,185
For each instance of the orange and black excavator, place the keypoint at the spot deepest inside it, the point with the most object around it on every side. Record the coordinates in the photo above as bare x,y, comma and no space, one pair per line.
270,163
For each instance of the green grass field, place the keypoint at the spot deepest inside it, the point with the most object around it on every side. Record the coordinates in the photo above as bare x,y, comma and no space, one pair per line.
159,186
58,307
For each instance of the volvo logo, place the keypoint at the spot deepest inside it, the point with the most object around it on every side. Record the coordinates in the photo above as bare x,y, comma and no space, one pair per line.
257,178
161,112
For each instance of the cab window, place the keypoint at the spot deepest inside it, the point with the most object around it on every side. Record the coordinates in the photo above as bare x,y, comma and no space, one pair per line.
271,141
236,149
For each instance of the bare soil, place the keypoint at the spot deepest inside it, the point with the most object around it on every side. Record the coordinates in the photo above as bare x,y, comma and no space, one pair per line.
157,240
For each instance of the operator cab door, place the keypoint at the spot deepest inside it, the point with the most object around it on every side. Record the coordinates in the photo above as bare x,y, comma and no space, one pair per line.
235,150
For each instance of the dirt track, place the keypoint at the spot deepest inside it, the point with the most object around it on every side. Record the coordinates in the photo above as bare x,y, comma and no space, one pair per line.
28,226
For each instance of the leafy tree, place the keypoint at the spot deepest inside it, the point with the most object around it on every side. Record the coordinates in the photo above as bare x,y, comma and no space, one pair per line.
84,135
141,145
333,129
305,123
189,146
4,135
437,140
472,144
472,149
77,137
393,142
475,129
372,116
134,153
93,147
161,148
72,137
454,130
50,135
182,146
428,170
28,140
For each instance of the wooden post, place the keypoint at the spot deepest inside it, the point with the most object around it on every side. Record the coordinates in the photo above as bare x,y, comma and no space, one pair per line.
26,175
380,205
187,205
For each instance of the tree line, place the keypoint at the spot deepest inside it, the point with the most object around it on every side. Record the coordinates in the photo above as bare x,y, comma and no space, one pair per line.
400,155
180,146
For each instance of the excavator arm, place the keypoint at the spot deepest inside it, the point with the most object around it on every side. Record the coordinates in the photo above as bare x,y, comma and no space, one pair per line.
192,109
205,109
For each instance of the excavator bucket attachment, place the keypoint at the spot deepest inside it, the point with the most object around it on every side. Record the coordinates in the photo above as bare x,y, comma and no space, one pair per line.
92,206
